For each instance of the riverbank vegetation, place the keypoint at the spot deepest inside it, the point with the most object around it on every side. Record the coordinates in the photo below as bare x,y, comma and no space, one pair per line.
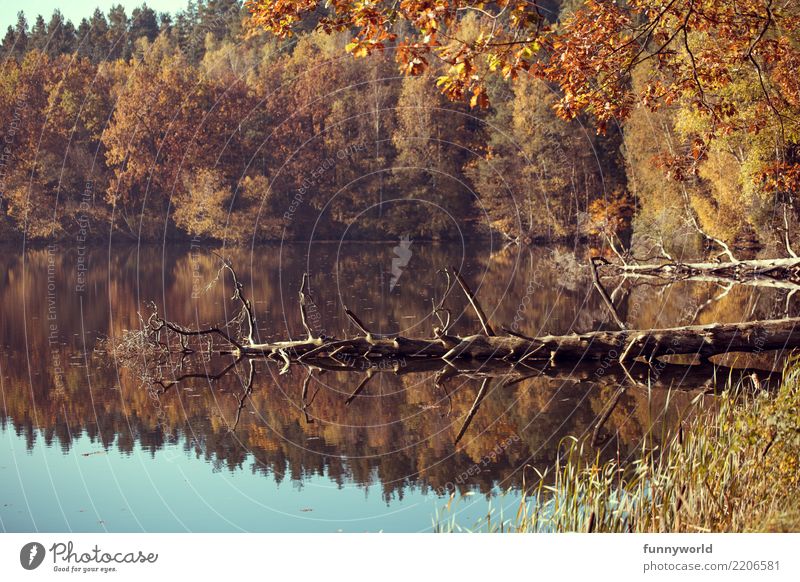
214,126
732,467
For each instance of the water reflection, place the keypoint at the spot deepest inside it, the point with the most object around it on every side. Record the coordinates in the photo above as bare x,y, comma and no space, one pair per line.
397,430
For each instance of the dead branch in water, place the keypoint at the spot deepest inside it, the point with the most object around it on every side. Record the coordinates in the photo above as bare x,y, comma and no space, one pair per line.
777,270
700,340
620,359
487,329
593,262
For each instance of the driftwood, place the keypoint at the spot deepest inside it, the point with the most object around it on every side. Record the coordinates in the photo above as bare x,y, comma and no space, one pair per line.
624,345
782,273
624,359
700,340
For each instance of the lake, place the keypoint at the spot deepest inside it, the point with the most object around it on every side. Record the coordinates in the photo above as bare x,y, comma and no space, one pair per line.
88,445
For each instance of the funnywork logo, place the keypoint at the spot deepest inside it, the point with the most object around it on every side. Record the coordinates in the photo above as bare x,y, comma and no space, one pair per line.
31,555
402,256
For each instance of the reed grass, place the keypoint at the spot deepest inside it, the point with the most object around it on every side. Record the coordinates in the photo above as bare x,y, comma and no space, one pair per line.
734,467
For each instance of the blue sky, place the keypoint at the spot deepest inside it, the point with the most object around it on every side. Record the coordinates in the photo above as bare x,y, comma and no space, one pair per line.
76,9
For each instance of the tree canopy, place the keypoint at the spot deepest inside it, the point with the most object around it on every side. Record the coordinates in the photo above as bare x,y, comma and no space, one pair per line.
731,64
208,124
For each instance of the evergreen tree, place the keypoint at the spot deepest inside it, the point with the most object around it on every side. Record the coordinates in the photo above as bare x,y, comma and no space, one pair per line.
38,39
143,24
118,40
7,46
99,38
15,42
21,30
83,45
189,34
164,22
61,35
220,18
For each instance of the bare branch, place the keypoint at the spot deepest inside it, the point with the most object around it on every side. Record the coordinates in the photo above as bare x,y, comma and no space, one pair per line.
246,306
603,293
786,232
487,329
159,323
303,300
248,390
359,324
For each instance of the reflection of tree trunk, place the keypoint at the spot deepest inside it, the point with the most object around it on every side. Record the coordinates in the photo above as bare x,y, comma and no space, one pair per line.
705,378
657,375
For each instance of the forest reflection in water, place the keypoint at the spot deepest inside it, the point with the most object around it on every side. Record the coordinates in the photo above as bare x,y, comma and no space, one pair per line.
399,430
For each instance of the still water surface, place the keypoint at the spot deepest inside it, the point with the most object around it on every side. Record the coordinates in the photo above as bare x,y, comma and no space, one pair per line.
85,447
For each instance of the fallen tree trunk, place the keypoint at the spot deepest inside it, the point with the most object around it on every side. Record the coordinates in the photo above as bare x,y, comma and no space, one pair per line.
615,346
777,270
700,340
769,282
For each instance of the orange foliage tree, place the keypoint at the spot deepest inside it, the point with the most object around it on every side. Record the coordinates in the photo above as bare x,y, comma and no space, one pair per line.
701,51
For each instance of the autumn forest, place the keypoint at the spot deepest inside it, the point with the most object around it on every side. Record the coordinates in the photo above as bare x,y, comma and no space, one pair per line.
542,254
217,125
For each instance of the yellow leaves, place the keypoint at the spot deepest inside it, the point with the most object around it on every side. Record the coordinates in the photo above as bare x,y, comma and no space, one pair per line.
357,48
509,71
530,50
610,215
479,99
203,210
363,48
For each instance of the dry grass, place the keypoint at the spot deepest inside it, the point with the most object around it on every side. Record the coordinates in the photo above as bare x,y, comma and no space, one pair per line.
731,469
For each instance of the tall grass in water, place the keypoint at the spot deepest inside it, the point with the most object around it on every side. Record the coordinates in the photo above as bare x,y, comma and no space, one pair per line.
732,468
